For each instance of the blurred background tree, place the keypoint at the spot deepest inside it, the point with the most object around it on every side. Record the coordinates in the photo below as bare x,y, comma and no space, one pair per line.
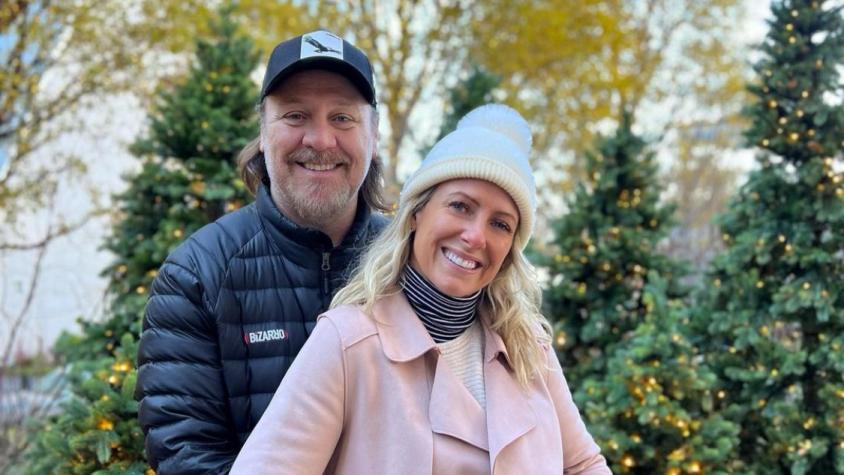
620,321
606,244
57,59
571,65
188,179
772,314
473,91
652,409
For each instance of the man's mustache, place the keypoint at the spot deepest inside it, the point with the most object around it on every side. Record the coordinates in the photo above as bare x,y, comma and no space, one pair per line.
309,155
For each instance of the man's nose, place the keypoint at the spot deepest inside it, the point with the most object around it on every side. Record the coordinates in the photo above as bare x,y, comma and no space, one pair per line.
319,136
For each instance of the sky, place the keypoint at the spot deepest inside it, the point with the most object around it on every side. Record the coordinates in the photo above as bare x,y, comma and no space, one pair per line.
70,286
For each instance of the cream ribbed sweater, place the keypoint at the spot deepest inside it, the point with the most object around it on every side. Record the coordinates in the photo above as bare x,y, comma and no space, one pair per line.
465,357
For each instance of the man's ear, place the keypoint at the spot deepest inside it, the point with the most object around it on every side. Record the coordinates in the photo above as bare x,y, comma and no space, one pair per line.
376,143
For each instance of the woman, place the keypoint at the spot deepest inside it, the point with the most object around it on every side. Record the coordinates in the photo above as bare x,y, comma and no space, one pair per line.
434,358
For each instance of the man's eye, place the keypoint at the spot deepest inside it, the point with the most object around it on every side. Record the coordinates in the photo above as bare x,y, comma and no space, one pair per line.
294,116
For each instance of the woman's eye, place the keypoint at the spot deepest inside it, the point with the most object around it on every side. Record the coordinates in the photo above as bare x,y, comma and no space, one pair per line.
459,206
502,225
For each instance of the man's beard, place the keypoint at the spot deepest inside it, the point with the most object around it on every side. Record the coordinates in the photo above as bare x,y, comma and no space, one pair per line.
316,206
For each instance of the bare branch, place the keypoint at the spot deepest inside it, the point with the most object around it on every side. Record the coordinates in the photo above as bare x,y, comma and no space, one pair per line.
16,324
51,235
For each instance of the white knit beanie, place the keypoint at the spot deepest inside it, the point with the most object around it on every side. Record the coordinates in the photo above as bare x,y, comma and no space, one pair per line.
490,143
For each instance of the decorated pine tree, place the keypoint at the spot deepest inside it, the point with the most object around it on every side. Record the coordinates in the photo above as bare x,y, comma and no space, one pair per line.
622,325
653,409
772,315
188,178
605,246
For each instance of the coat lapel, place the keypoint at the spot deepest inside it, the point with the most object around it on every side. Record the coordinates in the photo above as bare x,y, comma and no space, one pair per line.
453,411
508,410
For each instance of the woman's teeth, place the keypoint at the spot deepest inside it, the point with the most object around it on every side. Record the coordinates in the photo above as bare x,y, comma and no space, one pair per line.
464,263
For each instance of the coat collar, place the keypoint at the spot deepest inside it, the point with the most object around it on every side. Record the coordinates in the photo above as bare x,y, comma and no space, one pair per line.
403,337
509,413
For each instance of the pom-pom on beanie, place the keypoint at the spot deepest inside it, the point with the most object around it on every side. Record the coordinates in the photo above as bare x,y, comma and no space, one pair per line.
490,143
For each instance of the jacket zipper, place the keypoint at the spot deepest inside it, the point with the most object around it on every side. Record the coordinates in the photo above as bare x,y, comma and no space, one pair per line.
326,266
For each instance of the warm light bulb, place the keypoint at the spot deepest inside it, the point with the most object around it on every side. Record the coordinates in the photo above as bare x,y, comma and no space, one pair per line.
561,339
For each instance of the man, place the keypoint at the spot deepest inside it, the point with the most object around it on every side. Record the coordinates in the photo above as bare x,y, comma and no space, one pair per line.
233,305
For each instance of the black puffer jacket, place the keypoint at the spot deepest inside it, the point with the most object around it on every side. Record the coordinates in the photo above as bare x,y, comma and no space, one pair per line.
230,309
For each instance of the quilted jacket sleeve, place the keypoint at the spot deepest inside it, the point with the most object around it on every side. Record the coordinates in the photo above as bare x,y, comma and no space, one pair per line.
581,454
183,409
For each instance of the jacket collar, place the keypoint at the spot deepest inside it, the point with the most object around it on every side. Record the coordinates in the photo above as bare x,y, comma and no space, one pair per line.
403,337
509,413
282,228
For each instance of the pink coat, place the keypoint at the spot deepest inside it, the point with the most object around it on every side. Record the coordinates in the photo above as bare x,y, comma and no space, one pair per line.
371,396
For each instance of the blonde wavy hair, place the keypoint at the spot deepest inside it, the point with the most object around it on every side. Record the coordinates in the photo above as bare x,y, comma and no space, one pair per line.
512,299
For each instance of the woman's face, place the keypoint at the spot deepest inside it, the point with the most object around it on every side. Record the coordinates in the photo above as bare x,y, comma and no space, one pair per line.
463,234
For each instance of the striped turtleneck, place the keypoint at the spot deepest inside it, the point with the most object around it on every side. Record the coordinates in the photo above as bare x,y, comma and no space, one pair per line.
444,317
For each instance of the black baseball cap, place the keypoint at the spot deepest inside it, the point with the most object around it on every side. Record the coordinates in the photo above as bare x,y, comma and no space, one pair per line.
320,49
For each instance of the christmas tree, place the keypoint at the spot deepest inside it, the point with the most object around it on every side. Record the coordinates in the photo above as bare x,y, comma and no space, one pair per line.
621,321
772,317
606,245
188,178
653,409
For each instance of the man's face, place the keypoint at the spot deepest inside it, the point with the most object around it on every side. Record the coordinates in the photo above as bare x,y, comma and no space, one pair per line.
318,137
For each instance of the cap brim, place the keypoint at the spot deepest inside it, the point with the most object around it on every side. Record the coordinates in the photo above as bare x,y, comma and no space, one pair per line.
328,64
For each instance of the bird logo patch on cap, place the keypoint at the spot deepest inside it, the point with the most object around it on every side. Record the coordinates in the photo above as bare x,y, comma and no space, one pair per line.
321,43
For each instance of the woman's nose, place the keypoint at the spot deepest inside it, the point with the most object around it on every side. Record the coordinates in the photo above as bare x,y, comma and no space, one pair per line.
473,235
